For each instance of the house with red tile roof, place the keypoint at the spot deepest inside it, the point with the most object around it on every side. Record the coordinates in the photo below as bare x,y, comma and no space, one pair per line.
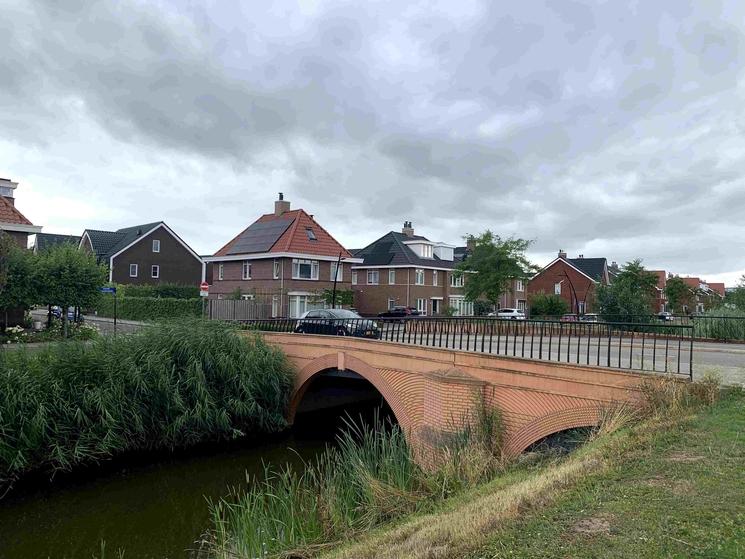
12,221
285,258
704,295
660,301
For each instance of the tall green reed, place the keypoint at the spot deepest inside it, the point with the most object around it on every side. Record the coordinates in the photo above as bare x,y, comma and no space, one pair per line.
168,386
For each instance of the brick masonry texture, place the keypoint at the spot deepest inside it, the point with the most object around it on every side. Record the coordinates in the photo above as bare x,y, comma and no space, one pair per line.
430,390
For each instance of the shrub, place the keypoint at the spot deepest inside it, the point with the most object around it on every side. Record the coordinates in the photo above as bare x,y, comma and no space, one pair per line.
167,386
165,290
150,308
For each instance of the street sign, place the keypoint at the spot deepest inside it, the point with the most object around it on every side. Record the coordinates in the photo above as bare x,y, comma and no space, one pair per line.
108,290
204,289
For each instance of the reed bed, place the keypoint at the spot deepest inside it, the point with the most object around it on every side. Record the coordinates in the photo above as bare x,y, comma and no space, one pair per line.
168,386
369,478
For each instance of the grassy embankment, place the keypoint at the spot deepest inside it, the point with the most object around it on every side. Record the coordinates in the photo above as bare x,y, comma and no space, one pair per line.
168,386
670,486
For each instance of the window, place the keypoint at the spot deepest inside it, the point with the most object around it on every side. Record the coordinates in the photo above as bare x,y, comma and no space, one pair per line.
435,306
155,271
305,269
133,270
461,307
581,307
156,245
434,277
246,272
557,288
372,277
220,271
311,234
521,305
275,269
418,276
354,277
519,285
301,303
421,306
248,297
219,296
391,277
338,274
391,303
456,281
275,305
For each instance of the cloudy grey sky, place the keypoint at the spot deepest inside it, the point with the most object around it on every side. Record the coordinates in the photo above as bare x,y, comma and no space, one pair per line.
604,128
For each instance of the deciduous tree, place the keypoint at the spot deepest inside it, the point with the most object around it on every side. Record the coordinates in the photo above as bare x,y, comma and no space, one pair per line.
630,295
542,304
492,265
678,294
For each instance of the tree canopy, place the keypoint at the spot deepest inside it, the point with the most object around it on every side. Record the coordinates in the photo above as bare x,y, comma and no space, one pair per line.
631,294
492,265
736,297
678,294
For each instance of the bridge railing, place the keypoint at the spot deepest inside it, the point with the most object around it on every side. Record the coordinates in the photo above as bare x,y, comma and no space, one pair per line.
621,345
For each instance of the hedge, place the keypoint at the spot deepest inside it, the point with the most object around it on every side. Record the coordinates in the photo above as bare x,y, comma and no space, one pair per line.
149,308
166,290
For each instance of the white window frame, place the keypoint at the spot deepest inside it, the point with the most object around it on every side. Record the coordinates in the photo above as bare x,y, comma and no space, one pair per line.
248,297
156,245
391,303
434,278
419,275
339,272
136,269
354,277
275,306
581,307
296,267
557,288
519,286
155,271
373,274
456,281
275,269
421,306
246,270
392,276
221,271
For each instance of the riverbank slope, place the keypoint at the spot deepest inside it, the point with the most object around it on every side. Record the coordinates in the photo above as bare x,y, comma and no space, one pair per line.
664,488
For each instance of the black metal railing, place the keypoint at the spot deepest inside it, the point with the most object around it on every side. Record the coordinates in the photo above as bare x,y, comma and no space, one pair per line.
622,345
721,328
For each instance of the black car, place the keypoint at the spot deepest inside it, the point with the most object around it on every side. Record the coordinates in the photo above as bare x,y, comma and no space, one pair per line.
399,312
337,322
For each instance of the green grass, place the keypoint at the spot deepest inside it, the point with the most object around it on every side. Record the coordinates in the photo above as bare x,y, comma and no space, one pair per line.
167,386
678,492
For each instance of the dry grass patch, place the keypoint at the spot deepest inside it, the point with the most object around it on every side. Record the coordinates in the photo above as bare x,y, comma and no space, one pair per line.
682,457
592,526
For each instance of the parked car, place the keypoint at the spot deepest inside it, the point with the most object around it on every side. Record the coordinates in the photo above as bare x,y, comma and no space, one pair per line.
512,314
666,316
337,322
590,317
57,313
399,312
569,317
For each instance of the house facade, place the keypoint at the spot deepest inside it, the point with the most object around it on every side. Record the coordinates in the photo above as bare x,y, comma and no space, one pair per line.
573,279
12,221
149,254
404,269
660,299
704,295
284,259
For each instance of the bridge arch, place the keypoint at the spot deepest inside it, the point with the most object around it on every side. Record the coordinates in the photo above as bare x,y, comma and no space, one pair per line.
342,361
571,418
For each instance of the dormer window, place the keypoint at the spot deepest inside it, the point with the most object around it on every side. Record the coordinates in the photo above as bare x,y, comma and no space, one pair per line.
310,233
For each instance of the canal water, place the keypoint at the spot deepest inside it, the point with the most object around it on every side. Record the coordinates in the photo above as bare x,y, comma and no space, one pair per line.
152,508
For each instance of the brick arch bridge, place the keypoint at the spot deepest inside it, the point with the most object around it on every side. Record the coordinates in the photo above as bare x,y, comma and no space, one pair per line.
430,390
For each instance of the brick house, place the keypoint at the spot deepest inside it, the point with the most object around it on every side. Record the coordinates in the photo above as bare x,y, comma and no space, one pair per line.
285,259
704,295
12,221
148,254
660,300
404,269
573,279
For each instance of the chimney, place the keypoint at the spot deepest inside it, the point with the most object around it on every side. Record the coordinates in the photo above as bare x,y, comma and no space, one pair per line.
408,229
562,254
7,187
281,206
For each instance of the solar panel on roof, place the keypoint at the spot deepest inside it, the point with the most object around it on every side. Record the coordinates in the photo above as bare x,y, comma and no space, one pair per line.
260,237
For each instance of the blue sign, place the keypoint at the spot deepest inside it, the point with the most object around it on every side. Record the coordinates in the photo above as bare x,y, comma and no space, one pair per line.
108,290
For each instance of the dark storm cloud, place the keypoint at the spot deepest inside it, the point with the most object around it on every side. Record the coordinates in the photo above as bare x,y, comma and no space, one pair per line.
614,128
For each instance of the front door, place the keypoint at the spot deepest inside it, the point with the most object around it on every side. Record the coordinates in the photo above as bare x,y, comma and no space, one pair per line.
435,306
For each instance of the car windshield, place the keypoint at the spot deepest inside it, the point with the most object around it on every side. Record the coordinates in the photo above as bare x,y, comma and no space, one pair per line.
343,313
